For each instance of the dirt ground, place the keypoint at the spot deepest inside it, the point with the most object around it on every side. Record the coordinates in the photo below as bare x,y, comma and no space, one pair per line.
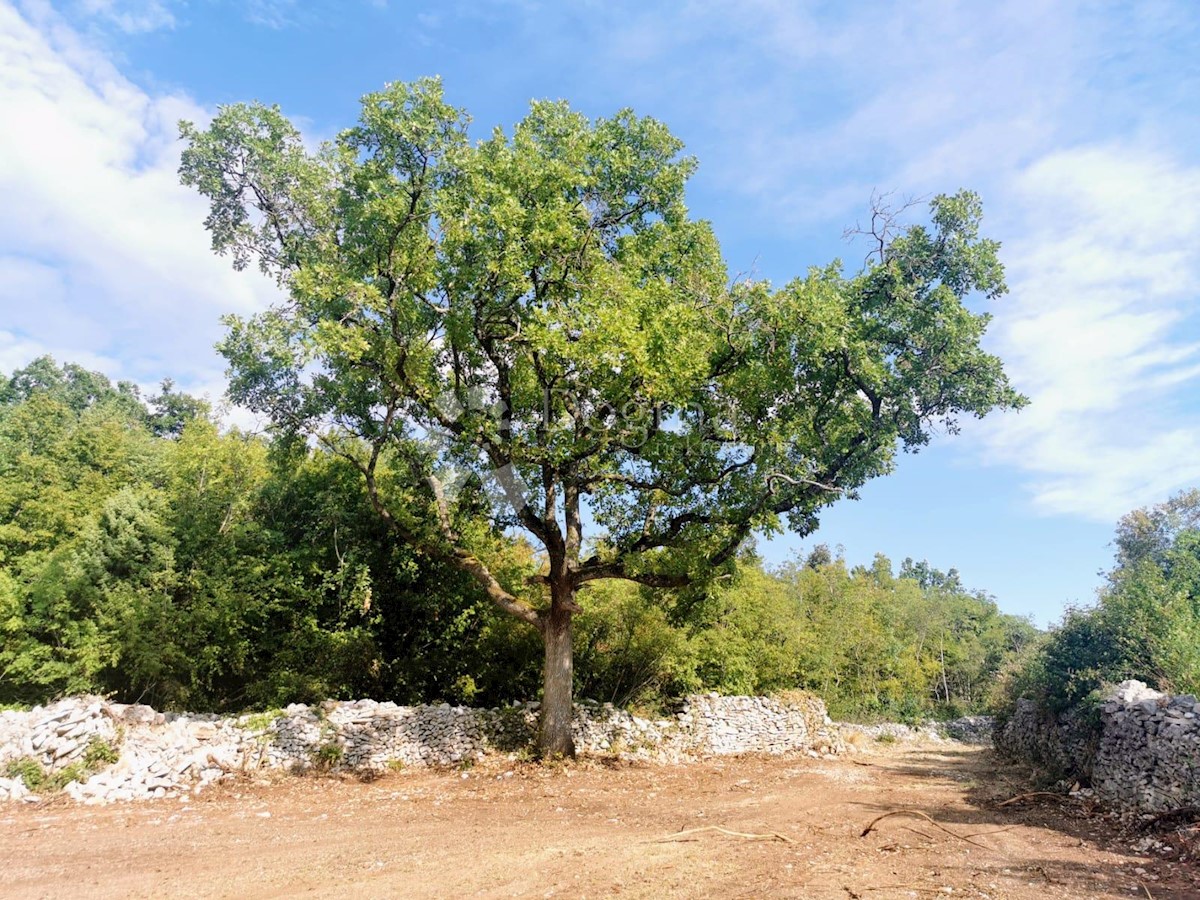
592,829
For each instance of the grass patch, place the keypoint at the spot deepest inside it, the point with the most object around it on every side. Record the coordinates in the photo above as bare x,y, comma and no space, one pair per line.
38,780
28,770
328,755
98,754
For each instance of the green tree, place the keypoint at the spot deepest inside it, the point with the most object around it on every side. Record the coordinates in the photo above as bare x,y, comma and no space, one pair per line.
543,305
1145,623
70,441
172,410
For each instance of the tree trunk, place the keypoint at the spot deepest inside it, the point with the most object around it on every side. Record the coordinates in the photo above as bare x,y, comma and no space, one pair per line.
555,739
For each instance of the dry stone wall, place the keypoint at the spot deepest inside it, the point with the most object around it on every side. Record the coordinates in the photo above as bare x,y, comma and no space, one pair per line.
99,752
1142,754
964,730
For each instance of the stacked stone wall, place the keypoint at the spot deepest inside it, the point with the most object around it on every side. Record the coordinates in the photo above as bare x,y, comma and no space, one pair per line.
1138,750
73,743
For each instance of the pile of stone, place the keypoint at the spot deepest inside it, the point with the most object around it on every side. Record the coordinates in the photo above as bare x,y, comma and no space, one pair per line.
56,736
605,729
164,755
14,789
1139,751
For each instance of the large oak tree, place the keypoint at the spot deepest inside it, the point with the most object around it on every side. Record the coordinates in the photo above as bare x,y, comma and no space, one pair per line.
538,311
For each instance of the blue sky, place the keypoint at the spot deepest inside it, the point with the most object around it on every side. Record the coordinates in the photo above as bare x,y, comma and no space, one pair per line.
1077,122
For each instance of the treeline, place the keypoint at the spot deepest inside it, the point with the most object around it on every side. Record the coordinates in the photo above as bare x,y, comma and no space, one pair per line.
146,554
1145,623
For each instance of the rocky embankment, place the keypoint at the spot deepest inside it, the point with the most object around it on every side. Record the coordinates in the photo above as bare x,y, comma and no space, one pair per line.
97,752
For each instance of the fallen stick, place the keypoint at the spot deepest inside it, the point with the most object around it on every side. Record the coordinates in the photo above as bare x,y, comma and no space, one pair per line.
921,815
770,836
898,887
993,831
1031,794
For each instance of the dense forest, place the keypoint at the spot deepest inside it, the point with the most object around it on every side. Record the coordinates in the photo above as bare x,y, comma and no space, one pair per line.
149,554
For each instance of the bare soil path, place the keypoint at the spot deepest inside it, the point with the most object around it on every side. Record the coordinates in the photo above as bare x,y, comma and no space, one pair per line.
595,830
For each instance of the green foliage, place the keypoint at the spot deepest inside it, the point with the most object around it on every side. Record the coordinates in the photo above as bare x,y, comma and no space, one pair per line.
260,721
1144,625
627,652
99,753
219,571
56,781
199,569
877,646
207,570
871,645
537,312
329,754
77,503
28,770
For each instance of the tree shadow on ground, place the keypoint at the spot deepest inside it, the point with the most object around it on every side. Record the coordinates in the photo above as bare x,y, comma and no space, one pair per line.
1001,796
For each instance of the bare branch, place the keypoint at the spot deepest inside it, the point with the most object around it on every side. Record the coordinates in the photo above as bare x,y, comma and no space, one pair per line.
885,222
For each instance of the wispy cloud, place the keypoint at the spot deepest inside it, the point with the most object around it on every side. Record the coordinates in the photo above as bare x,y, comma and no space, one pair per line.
102,252
1074,120
281,14
274,13
129,16
1101,330
809,110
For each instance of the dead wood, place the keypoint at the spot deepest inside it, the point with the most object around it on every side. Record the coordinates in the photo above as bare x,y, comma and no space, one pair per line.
770,836
1029,796
920,815
899,887
993,831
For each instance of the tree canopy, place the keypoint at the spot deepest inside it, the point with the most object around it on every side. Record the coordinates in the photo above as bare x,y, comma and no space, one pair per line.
537,313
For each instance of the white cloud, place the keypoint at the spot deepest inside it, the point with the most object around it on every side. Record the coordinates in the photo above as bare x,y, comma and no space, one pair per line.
17,351
1021,101
103,253
801,113
1099,330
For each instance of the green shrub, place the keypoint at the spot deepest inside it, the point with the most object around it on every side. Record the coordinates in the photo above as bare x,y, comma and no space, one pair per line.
29,770
99,753
329,754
